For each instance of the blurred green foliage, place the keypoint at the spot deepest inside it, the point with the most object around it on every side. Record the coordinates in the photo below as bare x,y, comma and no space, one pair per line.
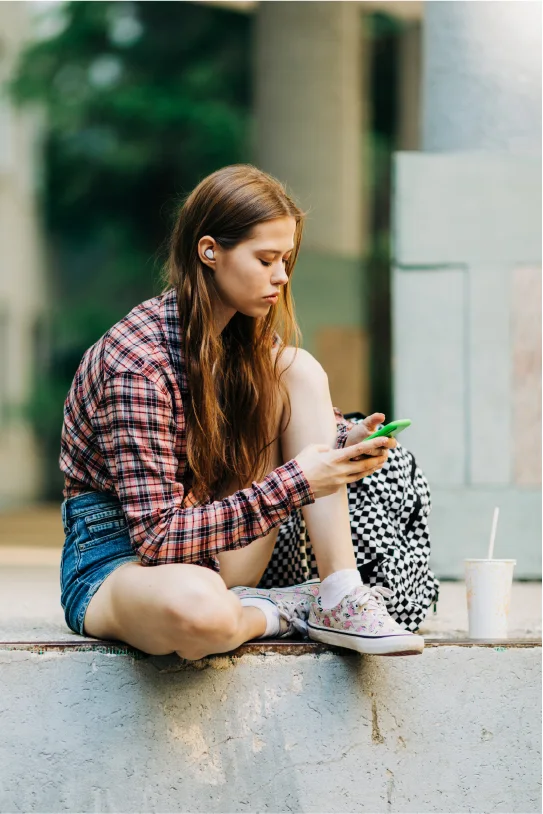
142,100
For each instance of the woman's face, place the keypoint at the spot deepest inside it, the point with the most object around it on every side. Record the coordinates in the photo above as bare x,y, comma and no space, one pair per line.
252,270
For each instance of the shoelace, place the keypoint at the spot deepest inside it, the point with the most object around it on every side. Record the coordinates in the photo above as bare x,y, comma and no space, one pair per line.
373,597
296,618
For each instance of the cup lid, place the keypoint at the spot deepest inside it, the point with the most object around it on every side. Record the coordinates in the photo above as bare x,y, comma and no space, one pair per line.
486,559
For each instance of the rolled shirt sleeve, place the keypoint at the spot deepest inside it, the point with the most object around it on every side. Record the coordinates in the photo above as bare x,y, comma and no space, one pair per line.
342,433
343,425
137,427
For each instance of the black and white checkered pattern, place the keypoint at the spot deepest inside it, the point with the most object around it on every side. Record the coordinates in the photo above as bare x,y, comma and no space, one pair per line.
389,512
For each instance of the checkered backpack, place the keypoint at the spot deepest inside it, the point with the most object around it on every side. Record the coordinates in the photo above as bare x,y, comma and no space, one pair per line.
389,524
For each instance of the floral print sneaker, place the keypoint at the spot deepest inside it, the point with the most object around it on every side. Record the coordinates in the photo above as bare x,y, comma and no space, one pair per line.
361,622
293,602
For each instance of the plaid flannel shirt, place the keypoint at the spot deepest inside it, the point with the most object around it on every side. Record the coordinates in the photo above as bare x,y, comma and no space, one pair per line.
124,433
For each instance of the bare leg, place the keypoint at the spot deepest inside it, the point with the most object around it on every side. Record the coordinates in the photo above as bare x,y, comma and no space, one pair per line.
327,520
313,422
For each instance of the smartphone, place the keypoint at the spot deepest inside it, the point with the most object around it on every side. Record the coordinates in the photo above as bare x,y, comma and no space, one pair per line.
391,430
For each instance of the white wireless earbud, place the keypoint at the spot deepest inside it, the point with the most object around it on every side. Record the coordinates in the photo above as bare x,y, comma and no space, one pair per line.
209,253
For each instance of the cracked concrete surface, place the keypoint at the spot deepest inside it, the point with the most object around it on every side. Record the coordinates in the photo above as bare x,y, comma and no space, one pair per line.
457,729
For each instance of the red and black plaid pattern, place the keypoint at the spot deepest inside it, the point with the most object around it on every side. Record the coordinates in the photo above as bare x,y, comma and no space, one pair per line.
124,433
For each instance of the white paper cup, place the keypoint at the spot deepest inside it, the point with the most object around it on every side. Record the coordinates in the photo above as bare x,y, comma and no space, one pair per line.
488,593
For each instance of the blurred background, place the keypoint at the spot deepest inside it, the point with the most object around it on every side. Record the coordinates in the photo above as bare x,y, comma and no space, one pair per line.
412,132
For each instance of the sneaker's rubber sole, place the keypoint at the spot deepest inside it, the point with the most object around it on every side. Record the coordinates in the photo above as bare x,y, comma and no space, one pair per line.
409,645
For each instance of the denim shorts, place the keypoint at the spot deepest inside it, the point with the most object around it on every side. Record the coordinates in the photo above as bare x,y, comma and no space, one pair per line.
96,543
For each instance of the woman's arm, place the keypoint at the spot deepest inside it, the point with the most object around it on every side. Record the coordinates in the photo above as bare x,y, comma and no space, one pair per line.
136,429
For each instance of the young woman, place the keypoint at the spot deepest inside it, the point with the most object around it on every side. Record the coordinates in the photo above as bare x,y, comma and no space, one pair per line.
192,430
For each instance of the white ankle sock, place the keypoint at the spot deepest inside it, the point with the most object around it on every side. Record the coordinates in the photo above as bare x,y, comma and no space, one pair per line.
337,585
270,611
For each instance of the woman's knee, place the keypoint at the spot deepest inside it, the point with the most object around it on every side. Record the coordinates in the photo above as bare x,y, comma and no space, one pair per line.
208,613
301,367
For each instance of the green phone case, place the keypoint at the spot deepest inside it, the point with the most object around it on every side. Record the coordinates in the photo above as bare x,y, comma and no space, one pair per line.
391,430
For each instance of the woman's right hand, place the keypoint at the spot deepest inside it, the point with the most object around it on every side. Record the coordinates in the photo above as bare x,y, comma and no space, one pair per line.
327,469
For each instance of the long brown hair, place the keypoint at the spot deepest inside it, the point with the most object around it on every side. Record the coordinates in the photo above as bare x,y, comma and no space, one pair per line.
229,418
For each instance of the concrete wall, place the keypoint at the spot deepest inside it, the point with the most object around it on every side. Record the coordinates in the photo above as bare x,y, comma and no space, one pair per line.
467,282
467,347
482,76
311,733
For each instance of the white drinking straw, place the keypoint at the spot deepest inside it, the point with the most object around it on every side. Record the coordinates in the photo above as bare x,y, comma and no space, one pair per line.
493,532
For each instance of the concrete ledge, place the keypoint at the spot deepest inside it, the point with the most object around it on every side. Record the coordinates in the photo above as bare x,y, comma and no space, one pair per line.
456,729
96,725
284,648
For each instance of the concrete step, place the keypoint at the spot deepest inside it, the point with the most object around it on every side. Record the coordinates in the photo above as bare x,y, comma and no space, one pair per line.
89,725
455,729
